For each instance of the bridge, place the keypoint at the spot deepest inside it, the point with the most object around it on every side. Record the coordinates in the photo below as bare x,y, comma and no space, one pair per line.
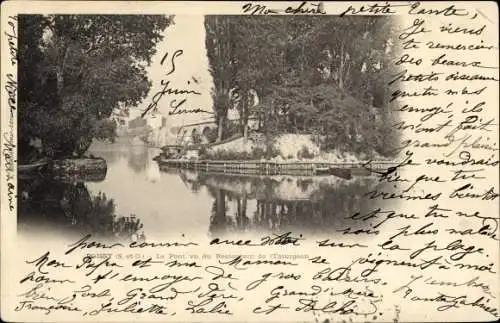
187,133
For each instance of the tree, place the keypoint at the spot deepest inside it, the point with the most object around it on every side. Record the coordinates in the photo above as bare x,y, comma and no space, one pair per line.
77,70
219,44
325,75
240,62
258,51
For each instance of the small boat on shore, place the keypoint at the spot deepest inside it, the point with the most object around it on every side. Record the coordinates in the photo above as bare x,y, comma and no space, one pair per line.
341,172
32,167
336,171
322,170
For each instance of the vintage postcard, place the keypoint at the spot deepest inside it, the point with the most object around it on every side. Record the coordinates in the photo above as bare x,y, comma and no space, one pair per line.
249,161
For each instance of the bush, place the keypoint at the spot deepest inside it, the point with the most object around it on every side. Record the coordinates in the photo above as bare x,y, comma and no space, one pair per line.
196,137
203,153
256,154
304,153
212,135
228,155
273,152
232,129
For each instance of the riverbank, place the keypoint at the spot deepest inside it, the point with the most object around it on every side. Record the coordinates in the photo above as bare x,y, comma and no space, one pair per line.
288,154
288,148
76,169
266,167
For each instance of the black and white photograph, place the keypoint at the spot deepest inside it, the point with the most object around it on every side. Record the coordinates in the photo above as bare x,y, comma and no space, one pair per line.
169,161
257,124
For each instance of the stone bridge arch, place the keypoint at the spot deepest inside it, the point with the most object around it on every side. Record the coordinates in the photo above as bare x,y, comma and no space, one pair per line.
187,133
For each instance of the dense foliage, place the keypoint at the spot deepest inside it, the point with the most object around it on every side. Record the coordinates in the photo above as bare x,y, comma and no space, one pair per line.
322,75
77,73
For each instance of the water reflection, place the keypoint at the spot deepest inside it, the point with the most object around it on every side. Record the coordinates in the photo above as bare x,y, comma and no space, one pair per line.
136,196
281,203
138,159
48,204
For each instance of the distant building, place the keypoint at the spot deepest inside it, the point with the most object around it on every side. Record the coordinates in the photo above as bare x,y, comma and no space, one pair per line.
155,120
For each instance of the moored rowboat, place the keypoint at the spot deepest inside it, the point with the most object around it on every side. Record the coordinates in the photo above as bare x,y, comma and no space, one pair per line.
27,168
341,172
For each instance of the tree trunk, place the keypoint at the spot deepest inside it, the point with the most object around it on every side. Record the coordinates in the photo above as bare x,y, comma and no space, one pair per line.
259,211
244,114
245,131
239,220
60,81
220,129
60,71
340,76
221,206
244,206
341,71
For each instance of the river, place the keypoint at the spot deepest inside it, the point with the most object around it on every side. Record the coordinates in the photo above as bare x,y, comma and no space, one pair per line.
138,200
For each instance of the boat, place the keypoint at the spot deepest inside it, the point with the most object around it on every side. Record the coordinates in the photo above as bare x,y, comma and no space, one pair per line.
169,152
29,168
322,170
336,171
344,173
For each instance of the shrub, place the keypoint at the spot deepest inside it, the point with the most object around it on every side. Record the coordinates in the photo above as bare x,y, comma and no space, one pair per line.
273,152
233,129
258,153
196,137
212,135
203,153
255,154
228,155
304,153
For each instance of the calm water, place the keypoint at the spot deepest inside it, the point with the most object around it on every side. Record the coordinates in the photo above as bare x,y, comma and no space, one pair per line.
138,199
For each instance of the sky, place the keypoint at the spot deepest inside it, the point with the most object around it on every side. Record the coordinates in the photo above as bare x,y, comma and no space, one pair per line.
186,34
